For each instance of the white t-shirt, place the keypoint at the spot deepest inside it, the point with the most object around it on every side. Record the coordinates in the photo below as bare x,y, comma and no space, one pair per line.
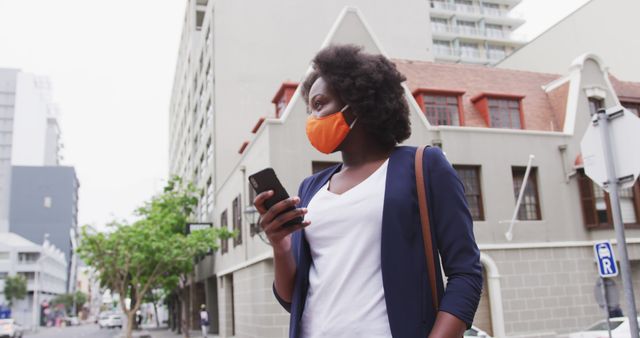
346,296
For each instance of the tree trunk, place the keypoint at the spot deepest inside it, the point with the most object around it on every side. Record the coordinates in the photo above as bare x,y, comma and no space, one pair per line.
133,306
155,311
185,313
130,322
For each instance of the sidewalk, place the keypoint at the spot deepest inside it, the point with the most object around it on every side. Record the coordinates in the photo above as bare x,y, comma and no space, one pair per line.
166,333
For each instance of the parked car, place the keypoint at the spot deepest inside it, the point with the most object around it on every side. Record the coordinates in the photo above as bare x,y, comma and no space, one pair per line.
72,321
10,329
475,332
619,329
109,320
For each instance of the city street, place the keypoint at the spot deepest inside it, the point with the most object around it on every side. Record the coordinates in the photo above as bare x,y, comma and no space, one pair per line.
81,331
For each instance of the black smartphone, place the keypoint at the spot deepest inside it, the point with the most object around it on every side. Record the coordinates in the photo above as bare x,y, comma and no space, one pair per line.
265,180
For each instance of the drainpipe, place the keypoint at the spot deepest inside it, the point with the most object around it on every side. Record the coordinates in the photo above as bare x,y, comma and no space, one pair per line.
495,295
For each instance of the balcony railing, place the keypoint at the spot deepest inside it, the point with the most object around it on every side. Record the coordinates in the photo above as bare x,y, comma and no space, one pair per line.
469,9
473,31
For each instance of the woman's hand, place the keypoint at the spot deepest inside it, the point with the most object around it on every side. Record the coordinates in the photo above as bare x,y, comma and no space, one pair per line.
271,220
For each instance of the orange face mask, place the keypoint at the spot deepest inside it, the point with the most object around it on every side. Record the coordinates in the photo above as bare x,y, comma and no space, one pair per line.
327,132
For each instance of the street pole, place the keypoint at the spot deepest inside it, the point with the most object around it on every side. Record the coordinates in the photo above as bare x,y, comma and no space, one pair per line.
612,180
606,304
36,291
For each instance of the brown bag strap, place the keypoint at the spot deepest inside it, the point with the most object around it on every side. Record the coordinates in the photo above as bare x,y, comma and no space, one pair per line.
426,227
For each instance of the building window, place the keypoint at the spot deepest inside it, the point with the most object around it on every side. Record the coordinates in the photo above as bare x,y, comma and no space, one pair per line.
467,27
470,177
440,25
199,19
469,50
494,31
224,243
596,208
237,221
496,52
442,109
442,47
530,203
504,113
595,104
634,107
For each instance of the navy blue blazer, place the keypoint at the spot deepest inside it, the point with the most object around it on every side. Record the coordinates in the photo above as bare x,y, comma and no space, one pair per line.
404,269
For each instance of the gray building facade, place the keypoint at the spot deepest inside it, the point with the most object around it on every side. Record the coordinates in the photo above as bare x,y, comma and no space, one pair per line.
44,200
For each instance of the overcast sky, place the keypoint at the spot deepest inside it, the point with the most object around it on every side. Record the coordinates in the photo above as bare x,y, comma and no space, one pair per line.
111,63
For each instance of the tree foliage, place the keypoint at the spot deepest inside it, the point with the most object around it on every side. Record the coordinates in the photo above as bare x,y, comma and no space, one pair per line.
67,300
15,288
152,252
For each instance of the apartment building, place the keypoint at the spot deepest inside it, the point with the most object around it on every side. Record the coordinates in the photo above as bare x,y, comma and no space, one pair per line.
473,31
604,27
43,266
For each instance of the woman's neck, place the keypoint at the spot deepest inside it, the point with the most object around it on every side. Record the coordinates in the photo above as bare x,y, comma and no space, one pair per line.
360,154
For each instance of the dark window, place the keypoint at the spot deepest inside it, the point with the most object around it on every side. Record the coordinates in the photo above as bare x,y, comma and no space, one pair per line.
224,243
595,104
317,166
505,113
442,109
470,176
530,203
199,19
634,107
596,208
237,221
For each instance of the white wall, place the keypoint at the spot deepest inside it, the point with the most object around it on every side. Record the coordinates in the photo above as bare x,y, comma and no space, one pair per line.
32,107
606,27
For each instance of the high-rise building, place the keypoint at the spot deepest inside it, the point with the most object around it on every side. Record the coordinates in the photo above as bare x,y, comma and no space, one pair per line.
29,132
44,200
473,31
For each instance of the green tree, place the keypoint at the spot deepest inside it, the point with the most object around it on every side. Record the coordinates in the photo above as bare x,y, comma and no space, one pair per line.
154,251
15,288
67,300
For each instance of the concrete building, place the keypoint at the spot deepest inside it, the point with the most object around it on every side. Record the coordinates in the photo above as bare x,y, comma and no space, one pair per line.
604,27
473,31
44,266
29,132
539,284
44,200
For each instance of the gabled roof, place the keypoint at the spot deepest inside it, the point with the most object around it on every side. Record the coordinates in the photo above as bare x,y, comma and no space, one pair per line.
540,111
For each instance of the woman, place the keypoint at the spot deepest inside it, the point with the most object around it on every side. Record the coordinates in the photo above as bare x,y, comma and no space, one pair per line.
356,266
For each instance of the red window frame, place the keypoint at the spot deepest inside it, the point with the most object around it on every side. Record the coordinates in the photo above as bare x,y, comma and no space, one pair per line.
421,95
483,103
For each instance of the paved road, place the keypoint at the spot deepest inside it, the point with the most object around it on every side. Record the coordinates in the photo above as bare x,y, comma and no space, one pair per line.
82,331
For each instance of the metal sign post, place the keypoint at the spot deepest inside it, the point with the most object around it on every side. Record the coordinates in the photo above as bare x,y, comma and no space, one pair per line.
606,305
606,268
602,121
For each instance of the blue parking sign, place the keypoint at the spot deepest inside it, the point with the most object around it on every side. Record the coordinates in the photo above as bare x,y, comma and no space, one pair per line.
606,261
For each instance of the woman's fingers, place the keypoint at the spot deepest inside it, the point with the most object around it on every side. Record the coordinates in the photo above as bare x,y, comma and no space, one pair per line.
276,223
283,232
279,208
258,202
